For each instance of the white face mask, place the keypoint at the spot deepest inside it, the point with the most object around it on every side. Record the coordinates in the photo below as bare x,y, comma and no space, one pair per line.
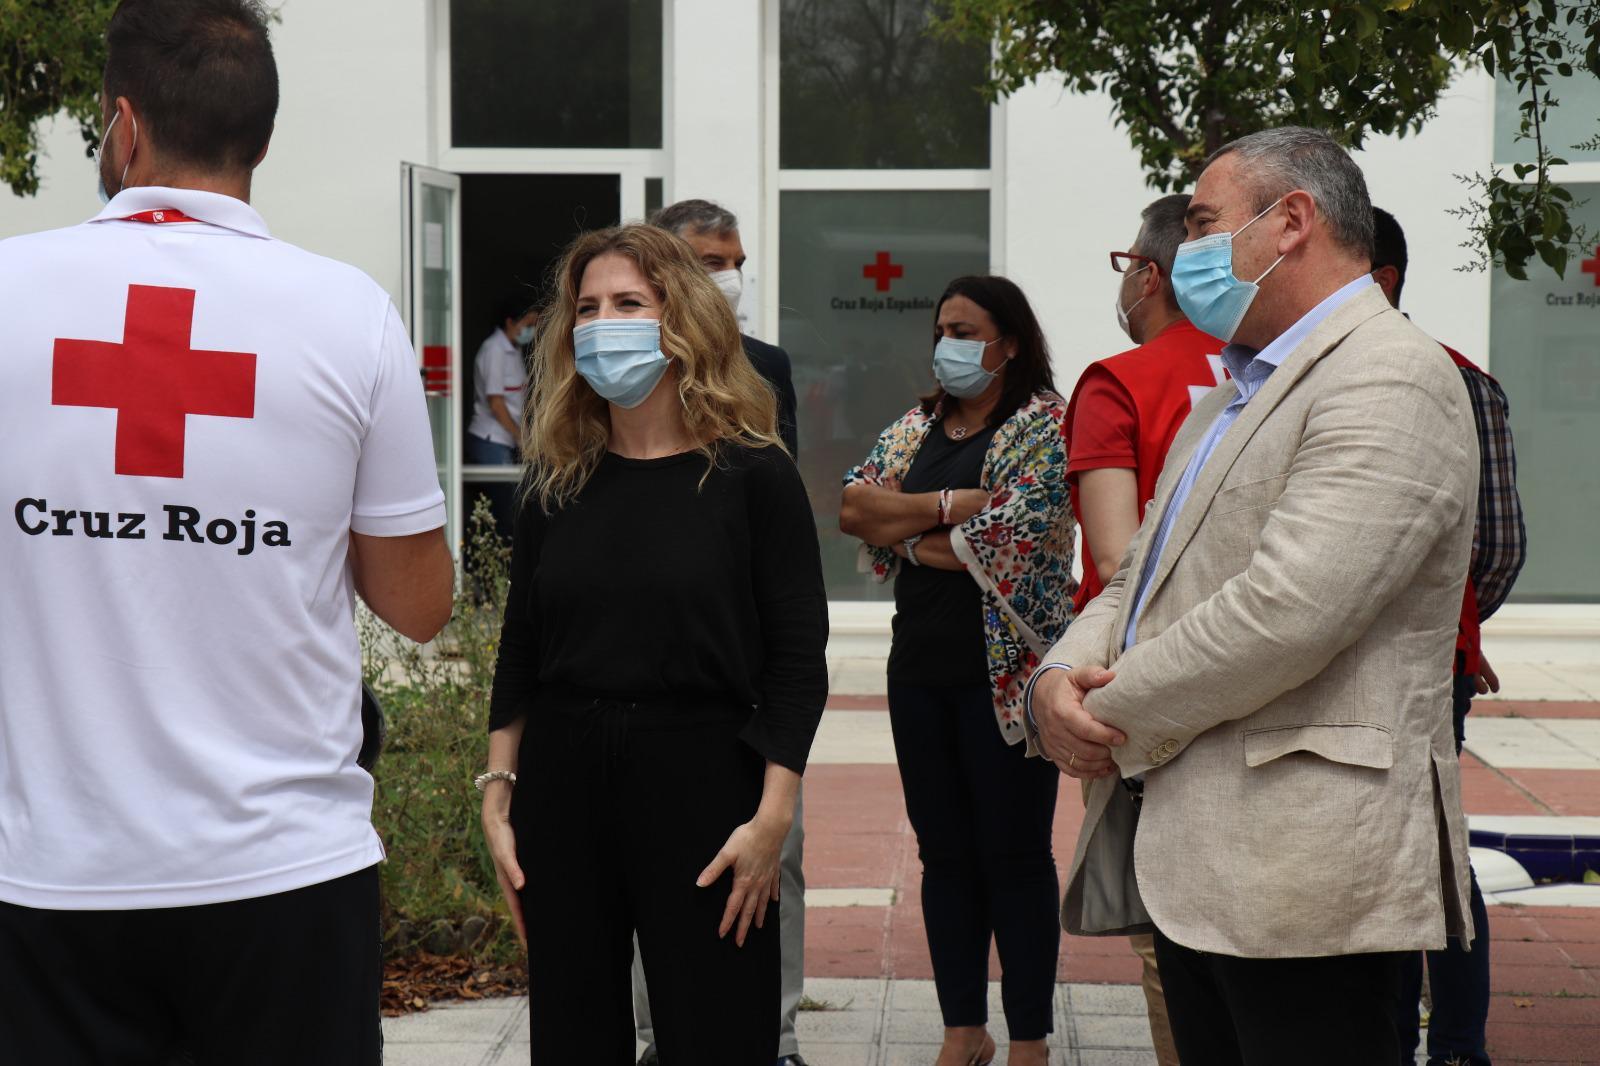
1122,316
100,182
731,282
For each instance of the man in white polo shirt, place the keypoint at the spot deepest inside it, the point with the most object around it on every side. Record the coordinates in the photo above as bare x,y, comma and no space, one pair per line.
215,440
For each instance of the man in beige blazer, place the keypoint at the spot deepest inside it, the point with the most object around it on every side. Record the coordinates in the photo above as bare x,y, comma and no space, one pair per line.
1259,702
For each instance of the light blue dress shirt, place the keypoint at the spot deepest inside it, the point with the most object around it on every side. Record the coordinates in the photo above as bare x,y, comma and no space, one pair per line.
1250,370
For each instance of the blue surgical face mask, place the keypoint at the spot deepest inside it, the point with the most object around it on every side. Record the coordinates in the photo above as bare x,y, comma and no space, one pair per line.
958,364
524,336
1207,290
620,358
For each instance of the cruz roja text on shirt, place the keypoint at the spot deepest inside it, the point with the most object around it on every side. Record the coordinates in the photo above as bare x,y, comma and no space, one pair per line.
36,517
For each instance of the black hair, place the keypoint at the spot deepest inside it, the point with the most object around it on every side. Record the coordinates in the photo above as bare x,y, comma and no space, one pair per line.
1389,247
1029,371
200,74
512,305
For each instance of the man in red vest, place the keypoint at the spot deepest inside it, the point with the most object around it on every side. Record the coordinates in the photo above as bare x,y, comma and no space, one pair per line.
1124,413
1460,979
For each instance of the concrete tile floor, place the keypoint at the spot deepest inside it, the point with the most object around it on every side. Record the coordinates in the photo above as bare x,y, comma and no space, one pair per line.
866,1022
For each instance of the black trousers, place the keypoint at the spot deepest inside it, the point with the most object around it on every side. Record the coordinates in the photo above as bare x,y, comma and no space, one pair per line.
1332,1011
982,812
287,978
1457,977
617,810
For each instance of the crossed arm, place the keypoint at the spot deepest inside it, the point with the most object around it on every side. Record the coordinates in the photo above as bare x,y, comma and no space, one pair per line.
886,518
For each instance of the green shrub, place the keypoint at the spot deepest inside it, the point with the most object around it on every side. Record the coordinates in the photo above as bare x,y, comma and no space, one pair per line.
436,702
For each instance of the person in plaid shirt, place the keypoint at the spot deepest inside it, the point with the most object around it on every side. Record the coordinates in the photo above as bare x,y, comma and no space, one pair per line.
1460,979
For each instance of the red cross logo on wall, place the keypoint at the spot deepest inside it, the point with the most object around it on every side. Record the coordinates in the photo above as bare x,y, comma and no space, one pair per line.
882,271
154,380
1592,266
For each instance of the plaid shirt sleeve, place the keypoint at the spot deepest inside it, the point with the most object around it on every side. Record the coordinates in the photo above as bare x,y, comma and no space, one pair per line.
1499,540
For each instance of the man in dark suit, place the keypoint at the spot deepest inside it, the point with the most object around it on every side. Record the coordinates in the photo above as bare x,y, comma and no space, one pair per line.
713,232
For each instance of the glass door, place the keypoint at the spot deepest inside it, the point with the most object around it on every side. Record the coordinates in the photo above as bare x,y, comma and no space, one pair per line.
432,307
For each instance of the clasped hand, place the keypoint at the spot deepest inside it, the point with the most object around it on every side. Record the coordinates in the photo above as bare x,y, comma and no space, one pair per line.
1069,736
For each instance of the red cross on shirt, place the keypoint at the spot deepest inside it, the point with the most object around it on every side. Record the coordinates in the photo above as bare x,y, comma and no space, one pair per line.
154,380
881,270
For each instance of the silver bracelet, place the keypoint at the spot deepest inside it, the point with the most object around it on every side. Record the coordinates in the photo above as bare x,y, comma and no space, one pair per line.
482,780
911,549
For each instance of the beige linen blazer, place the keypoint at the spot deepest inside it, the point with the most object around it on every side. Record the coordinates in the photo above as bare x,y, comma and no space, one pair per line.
1288,698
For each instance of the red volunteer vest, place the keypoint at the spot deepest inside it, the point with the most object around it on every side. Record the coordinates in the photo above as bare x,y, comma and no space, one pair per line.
1469,636
1164,376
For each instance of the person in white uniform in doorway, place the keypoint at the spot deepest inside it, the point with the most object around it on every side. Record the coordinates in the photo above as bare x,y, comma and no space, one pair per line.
499,374
713,232
217,441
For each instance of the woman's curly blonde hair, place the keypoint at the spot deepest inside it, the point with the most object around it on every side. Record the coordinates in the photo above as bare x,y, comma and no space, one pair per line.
566,425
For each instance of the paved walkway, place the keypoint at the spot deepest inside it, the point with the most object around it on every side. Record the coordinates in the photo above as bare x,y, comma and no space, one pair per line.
1536,755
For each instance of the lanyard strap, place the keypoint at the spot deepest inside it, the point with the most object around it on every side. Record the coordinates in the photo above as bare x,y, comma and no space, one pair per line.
160,217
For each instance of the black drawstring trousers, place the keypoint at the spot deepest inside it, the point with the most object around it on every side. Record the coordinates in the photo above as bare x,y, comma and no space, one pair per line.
618,808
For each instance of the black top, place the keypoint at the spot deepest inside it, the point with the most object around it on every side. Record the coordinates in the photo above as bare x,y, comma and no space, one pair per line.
772,363
938,614
650,586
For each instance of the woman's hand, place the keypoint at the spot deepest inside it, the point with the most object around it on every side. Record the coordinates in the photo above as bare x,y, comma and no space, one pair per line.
503,849
752,854
965,503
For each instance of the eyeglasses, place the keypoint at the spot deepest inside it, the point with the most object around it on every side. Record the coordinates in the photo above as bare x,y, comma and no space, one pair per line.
1122,262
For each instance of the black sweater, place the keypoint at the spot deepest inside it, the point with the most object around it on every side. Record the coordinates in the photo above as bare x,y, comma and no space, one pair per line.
650,585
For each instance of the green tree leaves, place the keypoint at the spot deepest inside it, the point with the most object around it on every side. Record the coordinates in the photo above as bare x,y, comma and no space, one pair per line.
51,58
1186,76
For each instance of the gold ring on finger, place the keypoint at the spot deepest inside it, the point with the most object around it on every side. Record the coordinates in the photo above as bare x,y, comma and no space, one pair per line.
1072,758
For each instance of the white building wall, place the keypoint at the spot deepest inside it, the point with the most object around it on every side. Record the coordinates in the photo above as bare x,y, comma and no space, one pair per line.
714,124
356,79
358,87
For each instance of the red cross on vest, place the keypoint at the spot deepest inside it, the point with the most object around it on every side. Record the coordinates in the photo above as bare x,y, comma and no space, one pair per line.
154,380
1592,266
881,271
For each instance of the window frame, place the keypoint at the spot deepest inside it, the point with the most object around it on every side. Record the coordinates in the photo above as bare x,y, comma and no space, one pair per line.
632,165
778,179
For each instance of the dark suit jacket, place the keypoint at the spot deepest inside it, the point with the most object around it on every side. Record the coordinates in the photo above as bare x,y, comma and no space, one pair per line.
772,363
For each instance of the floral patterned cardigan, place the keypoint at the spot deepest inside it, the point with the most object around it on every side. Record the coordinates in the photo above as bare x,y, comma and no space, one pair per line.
1018,549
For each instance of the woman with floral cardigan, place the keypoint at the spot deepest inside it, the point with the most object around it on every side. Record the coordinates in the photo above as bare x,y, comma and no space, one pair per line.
963,502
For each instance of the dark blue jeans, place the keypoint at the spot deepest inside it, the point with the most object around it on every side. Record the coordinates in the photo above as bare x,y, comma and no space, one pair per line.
982,812
1459,979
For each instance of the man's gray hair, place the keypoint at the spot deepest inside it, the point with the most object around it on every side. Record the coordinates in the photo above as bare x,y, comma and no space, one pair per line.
1280,161
1161,231
696,216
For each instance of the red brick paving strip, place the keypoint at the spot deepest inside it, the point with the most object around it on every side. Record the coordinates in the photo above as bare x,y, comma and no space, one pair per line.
1546,960
1535,709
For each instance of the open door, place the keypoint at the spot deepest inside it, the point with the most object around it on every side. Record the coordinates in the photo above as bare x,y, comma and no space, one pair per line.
432,240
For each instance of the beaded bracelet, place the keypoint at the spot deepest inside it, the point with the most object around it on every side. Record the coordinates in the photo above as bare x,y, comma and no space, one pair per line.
482,781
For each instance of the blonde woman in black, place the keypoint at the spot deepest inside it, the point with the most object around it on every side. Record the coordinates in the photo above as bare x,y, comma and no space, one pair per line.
661,670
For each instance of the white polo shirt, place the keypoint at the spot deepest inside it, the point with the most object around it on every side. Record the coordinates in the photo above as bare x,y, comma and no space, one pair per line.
196,416
497,371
